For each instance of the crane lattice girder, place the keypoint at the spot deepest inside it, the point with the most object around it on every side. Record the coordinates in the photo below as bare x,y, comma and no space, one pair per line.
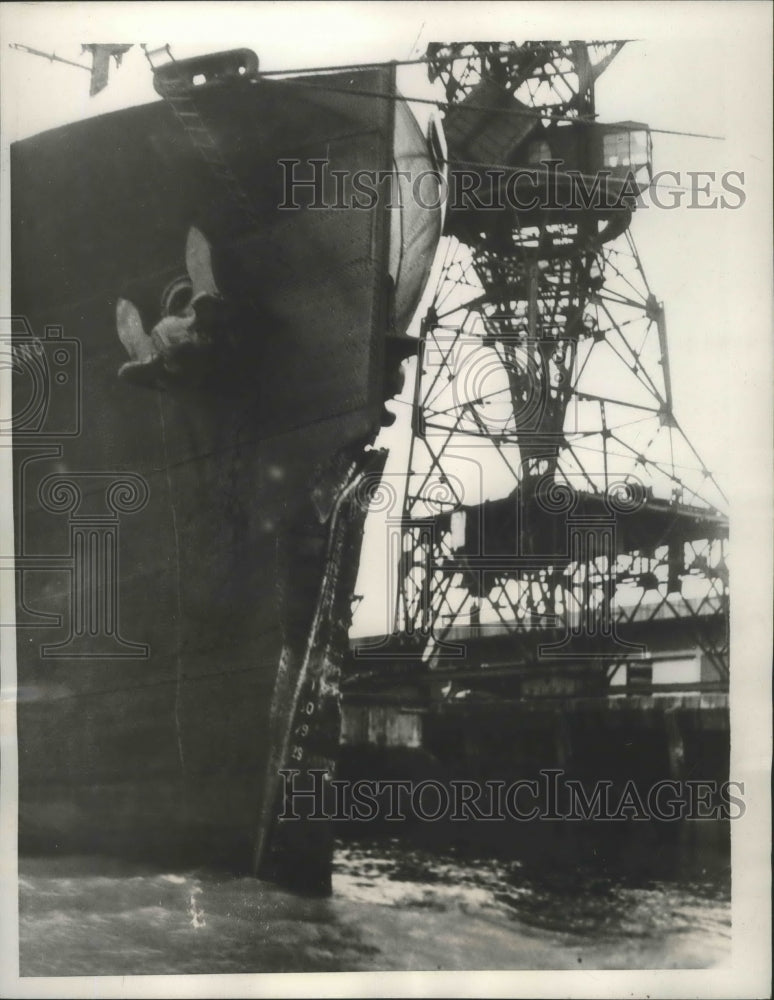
519,525
576,65
579,341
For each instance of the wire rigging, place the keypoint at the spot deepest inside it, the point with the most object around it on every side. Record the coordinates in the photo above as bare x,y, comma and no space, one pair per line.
543,113
293,76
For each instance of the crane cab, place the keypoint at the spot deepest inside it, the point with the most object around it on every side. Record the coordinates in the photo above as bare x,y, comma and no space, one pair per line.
511,167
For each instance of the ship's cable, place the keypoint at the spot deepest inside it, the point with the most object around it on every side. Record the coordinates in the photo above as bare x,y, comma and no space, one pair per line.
544,112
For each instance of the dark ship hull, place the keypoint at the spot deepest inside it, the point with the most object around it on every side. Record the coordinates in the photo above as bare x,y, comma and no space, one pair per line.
186,549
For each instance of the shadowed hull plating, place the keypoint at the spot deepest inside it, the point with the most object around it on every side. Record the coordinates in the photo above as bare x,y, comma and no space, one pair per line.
171,630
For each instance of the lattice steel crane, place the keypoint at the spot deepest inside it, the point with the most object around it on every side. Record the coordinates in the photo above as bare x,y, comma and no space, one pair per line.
552,497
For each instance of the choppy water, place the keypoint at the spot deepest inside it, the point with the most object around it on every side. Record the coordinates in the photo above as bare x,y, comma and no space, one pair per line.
393,907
